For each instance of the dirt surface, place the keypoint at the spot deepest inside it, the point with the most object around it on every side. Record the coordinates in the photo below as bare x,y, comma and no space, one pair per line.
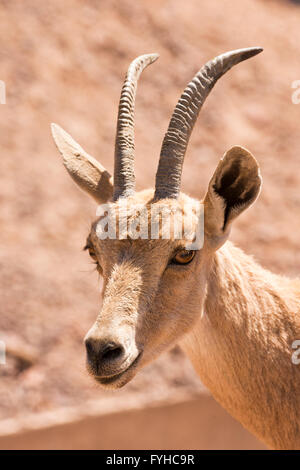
65,62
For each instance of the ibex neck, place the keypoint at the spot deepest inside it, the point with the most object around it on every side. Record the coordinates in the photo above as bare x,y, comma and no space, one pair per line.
241,345
241,294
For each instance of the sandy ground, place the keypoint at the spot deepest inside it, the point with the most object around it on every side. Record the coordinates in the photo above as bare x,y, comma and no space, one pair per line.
65,62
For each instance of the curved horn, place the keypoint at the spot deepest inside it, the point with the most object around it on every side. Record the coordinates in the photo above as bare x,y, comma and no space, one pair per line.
168,176
124,180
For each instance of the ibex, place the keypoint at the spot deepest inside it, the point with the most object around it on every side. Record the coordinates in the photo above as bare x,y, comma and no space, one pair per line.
235,320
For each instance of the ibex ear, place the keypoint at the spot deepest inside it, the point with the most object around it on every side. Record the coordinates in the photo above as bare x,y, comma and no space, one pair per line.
87,172
234,186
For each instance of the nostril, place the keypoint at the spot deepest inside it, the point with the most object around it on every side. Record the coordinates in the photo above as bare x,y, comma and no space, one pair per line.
111,352
89,347
100,352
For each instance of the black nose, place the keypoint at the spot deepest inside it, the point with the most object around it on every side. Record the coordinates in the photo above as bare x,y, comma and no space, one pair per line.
101,353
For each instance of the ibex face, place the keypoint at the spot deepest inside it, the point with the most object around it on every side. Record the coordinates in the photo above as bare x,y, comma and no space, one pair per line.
150,294
154,286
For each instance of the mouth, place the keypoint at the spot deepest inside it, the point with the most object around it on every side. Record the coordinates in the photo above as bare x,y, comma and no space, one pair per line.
122,378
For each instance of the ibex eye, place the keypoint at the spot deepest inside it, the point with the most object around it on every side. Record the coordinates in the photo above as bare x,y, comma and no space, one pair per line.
91,252
93,255
183,257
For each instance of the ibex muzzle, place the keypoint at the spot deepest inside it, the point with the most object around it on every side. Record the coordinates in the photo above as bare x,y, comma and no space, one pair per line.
111,343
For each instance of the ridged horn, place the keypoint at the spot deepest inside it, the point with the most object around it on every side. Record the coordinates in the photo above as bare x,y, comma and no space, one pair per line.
124,179
168,176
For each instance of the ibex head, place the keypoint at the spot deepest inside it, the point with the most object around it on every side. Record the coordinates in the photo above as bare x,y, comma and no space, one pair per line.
154,288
